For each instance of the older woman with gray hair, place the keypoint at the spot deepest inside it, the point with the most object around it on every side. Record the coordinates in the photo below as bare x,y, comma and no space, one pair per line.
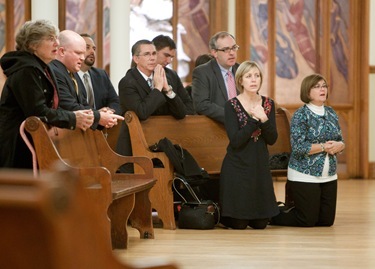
30,90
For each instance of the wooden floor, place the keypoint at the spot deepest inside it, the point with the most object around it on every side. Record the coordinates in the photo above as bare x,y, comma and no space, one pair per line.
350,243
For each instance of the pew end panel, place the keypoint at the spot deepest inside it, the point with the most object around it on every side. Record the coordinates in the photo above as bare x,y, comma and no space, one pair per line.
161,195
89,150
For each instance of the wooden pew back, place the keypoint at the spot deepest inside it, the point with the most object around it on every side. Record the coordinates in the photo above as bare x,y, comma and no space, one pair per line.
48,223
203,137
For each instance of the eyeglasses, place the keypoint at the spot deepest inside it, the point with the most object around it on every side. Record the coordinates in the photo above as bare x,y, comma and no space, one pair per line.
148,54
51,38
317,86
228,49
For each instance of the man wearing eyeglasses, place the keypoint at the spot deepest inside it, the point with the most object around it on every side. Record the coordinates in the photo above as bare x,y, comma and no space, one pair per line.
145,90
213,83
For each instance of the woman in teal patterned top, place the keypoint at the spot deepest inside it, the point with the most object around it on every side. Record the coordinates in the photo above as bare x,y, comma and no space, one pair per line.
316,139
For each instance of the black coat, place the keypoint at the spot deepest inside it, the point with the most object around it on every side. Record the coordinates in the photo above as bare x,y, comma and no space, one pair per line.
27,92
68,98
135,95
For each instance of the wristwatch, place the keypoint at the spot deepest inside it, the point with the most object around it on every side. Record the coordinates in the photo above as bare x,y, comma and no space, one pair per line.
322,147
169,90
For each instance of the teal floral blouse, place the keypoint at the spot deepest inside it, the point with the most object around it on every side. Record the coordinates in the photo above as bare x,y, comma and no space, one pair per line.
309,128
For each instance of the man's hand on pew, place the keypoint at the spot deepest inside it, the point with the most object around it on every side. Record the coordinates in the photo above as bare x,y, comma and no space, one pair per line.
84,119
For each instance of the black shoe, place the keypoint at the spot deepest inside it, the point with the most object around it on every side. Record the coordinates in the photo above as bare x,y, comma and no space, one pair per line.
284,208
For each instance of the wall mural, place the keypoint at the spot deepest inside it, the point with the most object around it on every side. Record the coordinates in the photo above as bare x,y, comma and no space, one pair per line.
340,44
295,47
2,40
193,16
259,38
295,53
2,27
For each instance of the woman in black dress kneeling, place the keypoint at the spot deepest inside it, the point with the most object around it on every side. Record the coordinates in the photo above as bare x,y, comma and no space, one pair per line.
246,189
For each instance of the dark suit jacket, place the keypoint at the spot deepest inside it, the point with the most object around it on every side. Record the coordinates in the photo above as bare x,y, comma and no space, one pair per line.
68,98
136,95
209,91
104,92
175,81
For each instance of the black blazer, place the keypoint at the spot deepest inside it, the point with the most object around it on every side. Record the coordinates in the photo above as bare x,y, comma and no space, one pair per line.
175,81
136,95
68,98
209,91
104,92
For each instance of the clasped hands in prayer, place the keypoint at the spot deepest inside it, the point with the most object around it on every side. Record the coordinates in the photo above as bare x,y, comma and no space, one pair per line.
160,79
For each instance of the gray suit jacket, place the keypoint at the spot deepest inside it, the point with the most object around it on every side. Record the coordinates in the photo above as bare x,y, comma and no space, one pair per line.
209,91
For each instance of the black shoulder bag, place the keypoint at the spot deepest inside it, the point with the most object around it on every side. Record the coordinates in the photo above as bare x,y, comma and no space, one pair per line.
202,215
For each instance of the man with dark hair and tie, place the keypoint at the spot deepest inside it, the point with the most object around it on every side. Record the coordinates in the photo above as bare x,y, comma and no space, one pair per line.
213,82
165,52
95,83
145,90
70,55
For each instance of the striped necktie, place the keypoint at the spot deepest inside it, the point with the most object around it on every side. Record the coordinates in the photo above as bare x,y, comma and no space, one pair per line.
90,92
149,82
231,85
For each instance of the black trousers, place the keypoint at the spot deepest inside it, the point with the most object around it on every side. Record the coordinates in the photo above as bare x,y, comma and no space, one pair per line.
314,205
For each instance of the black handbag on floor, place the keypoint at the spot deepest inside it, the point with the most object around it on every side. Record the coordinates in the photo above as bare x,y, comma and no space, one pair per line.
196,214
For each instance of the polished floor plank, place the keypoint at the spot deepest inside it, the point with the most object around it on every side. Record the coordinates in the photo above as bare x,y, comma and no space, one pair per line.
350,243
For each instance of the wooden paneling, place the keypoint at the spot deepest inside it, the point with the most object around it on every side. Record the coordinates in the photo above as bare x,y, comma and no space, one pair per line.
218,16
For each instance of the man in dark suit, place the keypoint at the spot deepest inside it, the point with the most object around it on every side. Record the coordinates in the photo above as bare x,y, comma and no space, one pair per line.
145,90
213,81
70,56
165,52
100,90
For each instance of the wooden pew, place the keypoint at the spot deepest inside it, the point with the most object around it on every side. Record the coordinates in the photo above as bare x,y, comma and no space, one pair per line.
203,137
97,165
283,141
49,223
112,135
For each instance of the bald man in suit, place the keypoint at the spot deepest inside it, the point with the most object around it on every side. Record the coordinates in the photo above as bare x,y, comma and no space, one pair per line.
69,59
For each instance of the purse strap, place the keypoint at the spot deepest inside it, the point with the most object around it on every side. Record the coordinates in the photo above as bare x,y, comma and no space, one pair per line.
187,186
193,194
